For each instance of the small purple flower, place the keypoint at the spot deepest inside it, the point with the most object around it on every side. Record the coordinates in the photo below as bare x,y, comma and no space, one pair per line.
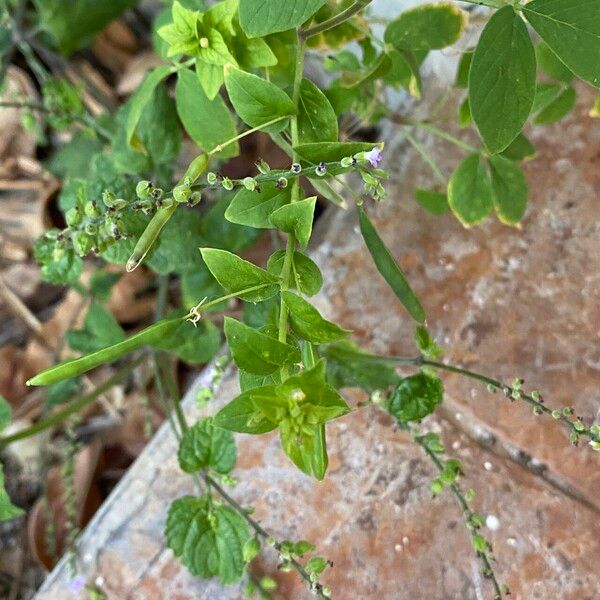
77,584
375,157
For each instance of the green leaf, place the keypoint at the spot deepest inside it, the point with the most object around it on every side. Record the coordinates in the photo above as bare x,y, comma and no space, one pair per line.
502,79
296,218
545,93
211,78
348,366
73,159
416,396
102,282
520,149
5,413
306,276
198,283
465,118
255,208
258,101
427,27
256,352
434,202
376,70
262,17
405,70
208,538
59,272
249,381
562,105
551,64
7,509
208,122
243,416
205,446
221,233
194,344
307,449
238,276
317,121
139,101
73,24
308,323
509,188
572,30
470,192
462,72
61,392
100,330
389,269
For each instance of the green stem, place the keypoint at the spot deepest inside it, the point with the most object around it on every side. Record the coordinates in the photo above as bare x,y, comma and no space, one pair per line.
224,145
508,391
460,497
295,195
73,407
335,20
489,3
427,158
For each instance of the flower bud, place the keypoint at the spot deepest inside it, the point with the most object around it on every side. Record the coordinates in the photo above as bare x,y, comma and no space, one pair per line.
73,217
321,170
296,168
282,183
249,183
262,166
143,189
91,209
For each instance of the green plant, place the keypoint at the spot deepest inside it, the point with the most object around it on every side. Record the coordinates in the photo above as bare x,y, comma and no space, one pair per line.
242,63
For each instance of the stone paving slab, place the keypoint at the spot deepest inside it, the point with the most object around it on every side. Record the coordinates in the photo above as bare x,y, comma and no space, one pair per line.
503,301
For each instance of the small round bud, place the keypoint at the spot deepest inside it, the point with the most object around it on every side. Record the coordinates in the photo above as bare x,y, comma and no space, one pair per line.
321,169
227,184
282,183
156,193
262,166
91,209
556,414
537,410
249,183
211,178
73,217
204,42
143,189
579,426
108,198
296,168
347,161
182,193
91,228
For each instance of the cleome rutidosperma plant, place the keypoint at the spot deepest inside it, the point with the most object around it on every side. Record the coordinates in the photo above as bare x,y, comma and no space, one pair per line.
237,67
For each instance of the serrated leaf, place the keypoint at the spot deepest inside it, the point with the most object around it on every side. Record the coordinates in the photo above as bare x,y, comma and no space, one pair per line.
208,538
256,352
100,329
208,122
7,509
415,397
470,192
262,17
389,268
308,323
509,188
296,218
317,121
502,79
427,27
306,277
5,413
205,446
194,344
255,208
572,30
238,276
258,101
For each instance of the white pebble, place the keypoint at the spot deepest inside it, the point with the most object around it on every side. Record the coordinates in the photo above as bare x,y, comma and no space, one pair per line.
492,522
398,547
487,465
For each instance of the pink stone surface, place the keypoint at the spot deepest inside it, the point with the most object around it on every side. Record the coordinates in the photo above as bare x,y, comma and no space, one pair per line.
505,302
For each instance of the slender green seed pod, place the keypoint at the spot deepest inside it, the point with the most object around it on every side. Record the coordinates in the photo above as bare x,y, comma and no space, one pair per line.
151,233
162,216
86,363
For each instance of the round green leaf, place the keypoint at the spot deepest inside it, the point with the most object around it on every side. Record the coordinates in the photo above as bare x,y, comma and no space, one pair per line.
416,396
